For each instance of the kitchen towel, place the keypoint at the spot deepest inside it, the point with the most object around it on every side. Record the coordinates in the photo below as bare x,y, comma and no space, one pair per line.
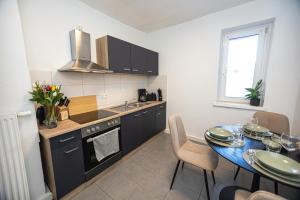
106,144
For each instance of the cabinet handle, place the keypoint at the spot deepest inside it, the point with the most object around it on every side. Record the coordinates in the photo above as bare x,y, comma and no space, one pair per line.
135,70
71,150
149,71
67,139
145,112
126,69
158,113
137,115
161,106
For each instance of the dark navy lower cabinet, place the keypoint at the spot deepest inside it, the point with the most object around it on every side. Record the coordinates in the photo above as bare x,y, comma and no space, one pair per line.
67,160
138,127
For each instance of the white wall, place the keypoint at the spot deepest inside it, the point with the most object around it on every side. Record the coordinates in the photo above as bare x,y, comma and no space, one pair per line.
189,56
296,122
14,86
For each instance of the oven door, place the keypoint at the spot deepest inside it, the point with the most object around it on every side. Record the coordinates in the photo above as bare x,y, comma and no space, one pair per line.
90,158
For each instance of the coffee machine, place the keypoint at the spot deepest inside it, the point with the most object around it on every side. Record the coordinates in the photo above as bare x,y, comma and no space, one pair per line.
142,94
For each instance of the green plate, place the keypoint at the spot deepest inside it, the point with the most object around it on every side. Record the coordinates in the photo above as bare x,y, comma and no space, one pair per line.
228,139
220,133
256,128
278,162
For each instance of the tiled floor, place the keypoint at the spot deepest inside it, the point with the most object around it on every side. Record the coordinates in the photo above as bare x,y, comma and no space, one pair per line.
147,174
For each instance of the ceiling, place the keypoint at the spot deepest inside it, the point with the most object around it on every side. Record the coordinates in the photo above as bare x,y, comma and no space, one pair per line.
151,15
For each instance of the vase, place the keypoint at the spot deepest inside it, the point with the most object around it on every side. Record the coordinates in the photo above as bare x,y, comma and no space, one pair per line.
51,117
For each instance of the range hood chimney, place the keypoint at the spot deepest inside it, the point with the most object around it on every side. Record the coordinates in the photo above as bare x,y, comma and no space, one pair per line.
81,55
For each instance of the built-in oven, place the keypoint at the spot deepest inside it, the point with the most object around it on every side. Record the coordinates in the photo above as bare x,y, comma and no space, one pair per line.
105,133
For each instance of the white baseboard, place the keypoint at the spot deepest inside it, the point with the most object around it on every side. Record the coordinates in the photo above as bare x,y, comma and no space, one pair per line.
193,138
197,139
47,195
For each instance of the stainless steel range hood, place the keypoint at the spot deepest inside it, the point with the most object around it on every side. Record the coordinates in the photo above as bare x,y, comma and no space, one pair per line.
81,55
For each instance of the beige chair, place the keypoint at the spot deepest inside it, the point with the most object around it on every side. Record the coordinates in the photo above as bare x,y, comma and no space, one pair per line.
237,193
258,195
190,152
276,123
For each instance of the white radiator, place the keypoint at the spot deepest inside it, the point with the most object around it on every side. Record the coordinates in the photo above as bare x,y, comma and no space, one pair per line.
13,179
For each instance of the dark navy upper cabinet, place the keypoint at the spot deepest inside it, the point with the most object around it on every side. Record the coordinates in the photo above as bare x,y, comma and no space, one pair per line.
67,160
123,57
152,63
139,59
114,54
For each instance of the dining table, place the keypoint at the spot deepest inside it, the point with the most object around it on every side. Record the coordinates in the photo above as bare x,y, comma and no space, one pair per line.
235,156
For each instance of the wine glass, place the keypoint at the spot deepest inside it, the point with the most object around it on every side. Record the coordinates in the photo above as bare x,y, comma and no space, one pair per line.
289,142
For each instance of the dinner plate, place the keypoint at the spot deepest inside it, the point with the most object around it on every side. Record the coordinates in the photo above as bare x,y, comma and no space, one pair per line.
220,133
278,162
255,128
228,139
290,178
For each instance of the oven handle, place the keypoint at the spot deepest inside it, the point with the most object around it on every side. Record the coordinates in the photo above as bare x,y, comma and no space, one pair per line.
91,139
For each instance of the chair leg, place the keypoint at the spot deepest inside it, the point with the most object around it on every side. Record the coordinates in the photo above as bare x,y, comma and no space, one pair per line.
276,187
213,176
206,184
178,162
236,173
182,165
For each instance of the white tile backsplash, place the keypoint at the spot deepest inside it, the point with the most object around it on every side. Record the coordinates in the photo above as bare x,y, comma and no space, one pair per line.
66,78
110,89
72,90
93,79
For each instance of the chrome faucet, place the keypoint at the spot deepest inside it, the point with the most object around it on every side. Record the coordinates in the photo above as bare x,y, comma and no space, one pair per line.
130,101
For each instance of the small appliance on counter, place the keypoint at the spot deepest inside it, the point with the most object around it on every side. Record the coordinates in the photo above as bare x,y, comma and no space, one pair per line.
159,94
142,94
151,97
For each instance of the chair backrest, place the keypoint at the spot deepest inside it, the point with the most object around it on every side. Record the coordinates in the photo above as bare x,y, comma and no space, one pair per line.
178,135
275,122
264,195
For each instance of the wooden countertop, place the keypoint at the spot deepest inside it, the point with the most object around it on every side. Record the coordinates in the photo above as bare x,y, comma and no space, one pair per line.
69,125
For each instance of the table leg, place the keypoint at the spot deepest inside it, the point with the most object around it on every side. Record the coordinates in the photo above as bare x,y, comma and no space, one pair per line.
255,183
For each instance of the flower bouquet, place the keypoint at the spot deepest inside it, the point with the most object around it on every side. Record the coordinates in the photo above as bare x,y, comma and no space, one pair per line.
47,96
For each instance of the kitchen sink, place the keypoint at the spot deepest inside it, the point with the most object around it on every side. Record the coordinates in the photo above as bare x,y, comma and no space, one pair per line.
124,107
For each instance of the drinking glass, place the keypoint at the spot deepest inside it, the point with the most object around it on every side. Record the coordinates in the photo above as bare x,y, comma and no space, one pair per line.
238,133
270,144
289,142
253,122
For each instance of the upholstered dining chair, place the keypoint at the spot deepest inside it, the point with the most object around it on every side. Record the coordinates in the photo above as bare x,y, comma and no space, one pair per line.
237,193
276,123
190,152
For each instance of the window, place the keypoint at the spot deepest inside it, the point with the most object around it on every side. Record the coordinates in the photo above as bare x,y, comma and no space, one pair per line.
243,59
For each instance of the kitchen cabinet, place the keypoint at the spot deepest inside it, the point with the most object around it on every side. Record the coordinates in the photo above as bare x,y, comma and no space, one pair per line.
138,127
148,122
152,63
63,163
131,127
123,57
160,120
114,54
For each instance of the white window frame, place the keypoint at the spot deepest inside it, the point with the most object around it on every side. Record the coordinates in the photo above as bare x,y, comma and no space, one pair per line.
264,30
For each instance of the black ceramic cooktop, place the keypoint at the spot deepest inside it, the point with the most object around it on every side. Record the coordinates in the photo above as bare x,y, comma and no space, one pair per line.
91,116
